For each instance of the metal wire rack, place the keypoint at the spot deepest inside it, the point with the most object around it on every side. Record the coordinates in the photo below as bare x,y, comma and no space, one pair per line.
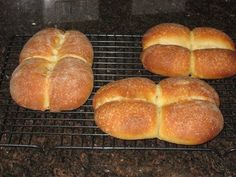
116,57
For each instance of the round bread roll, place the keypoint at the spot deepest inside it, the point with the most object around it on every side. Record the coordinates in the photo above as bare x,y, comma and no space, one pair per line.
128,119
208,38
214,63
173,50
191,122
167,34
167,60
54,72
130,88
177,110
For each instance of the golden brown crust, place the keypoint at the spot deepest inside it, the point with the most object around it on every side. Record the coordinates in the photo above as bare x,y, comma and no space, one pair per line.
160,57
214,63
54,71
167,60
167,34
132,119
71,83
205,37
76,45
41,45
185,111
27,85
130,88
53,44
193,122
175,90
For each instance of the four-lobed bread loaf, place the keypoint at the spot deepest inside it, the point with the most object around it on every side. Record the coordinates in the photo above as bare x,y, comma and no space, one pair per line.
54,72
174,50
177,110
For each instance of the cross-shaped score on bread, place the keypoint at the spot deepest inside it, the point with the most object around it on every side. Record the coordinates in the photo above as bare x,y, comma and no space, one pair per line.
54,72
174,50
178,110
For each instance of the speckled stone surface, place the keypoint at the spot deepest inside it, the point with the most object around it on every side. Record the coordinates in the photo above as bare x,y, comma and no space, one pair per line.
111,164
113,17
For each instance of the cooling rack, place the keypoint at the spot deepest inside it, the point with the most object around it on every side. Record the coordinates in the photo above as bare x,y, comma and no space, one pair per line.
116,57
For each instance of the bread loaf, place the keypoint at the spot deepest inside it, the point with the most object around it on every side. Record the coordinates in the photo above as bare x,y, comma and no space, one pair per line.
173,50
54,72
177,110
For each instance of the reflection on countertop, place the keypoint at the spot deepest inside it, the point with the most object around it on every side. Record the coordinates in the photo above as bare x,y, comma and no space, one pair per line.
124,16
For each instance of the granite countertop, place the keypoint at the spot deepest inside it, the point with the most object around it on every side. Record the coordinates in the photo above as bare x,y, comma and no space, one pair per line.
113,17
111,163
